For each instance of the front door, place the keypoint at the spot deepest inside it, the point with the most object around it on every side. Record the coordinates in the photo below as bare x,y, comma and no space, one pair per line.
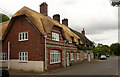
67,58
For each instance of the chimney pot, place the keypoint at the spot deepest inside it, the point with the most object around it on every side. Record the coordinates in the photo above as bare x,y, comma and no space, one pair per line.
65,21
43,9
56,17
83,31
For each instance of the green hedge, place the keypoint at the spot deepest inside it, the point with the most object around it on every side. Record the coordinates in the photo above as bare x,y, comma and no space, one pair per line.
84,48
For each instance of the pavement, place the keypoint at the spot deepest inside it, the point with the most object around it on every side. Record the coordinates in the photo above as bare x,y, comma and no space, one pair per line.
94,67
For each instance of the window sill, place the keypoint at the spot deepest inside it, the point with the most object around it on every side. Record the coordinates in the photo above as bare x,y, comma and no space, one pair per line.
22,40
55,63
55,40
3,61
72,59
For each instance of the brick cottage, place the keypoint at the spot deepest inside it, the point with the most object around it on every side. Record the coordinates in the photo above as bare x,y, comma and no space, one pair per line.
36,42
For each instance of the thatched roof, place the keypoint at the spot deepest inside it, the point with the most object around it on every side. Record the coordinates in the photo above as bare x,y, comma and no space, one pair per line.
84,39
42,23
3,28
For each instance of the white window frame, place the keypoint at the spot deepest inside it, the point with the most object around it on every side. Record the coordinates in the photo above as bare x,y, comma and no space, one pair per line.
77,43
55,36
23,57
55,56
72,56
69,41
21,33
78,55
3,56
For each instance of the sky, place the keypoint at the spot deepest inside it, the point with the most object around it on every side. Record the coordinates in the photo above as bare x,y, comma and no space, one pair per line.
97,17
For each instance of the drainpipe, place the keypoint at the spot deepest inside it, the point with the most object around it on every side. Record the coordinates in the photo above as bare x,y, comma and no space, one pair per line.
8,55
45,54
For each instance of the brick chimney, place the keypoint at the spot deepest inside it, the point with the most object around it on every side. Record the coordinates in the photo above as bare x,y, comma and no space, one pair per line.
56,17
65,21
83,32
43,9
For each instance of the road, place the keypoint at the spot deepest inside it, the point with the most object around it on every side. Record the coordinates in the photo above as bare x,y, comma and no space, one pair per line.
98,67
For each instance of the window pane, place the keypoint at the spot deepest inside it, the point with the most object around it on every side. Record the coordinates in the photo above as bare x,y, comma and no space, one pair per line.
5,56
26,58
20,58
26,35
23,36
19,36
2,56
25,54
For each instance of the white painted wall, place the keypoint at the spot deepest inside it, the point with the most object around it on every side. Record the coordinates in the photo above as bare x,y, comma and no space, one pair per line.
36,66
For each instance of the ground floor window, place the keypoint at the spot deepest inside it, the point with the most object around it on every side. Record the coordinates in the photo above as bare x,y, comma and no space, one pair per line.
55,56
23,56
77,55
3,56
72,56
85,55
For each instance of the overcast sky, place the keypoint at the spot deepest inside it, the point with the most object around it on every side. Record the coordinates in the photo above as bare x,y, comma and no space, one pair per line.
98,17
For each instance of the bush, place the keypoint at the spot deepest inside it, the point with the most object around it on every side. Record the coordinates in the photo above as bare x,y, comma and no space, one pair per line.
84,48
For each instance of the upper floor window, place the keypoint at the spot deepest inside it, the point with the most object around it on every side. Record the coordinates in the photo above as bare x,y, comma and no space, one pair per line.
23,56
55,36
23,36
3,56
69,41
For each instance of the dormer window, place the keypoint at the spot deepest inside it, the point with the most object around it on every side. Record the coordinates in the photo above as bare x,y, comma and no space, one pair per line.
77,43
23,36
55,36
70,42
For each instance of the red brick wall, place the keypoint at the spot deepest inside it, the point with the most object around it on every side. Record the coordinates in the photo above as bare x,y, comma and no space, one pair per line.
53,45
34,45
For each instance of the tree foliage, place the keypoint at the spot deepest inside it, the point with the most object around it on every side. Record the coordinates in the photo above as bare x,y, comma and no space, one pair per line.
3,18
84,48
115,48
101,49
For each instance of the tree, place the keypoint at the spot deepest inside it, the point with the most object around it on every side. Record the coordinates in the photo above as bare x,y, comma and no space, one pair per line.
101,49
115,48
115,3
3,18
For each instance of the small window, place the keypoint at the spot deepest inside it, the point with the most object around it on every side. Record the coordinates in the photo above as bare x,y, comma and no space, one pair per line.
23,56
77,43
23,36
77,55
55,56
3,56
72,56
55,36
69,41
